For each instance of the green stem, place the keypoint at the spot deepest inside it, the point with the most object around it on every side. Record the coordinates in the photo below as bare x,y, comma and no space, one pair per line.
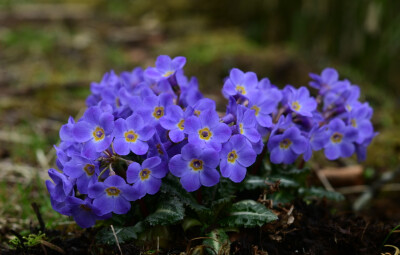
391,232
102,172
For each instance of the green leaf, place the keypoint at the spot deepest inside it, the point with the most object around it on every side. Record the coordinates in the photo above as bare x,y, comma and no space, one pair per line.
190,223
319,192
285,182
168,212
253,182
218,241
106,236
226,187
172,187
248,214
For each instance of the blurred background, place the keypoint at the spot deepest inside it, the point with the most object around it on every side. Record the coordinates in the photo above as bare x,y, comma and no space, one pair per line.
50,52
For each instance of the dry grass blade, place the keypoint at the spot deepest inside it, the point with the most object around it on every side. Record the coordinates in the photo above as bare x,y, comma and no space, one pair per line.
52,246
15,137
397,250
116,239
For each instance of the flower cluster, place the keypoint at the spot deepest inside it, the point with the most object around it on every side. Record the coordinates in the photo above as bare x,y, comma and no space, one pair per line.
143,125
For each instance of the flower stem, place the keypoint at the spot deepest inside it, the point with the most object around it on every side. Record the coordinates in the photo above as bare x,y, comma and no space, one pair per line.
102,172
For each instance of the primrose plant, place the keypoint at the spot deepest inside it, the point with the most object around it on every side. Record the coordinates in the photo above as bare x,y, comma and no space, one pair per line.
150,146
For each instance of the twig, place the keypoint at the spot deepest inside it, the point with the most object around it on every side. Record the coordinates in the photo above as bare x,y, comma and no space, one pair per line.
44,249
366,226
39,216
52,246
362,188
116,239
324,181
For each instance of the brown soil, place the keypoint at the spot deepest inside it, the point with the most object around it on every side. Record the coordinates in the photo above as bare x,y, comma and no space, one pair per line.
303,229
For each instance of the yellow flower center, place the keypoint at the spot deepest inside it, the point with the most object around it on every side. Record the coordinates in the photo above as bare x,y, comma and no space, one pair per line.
131,136
296,106
337,137
241,128
348,107
85,207
144,174
89,169
196,164
240,89
159,149
117,102
113,191
205,133
256,109
98,134
354,123
169,73
181,124
285,143
158,112
232,156
197,113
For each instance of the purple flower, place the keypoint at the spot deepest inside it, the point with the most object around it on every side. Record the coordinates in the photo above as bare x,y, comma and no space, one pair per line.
206,130
300,102
110,79
359,118
361,149
264,105
317,140
174,121
62,186
326,81
82,169
239,83
60,207
283,123
341,138
286,147
195,167
154,108
351,95
190,93
246,124
157,148
202,105
344,96
132,79
66,130
112,195
94,129
165,67
132,135
84,213
146,178
114,100
63,152
236,155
